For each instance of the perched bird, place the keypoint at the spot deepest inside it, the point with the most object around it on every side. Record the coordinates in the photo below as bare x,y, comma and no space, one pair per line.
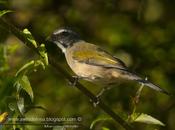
92,63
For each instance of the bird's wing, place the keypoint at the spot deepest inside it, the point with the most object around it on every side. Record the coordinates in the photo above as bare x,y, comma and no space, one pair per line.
93,55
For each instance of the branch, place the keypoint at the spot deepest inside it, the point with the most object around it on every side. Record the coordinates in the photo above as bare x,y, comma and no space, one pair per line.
53,60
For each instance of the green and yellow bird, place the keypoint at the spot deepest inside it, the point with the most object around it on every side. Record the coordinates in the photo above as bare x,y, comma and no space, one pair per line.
92,63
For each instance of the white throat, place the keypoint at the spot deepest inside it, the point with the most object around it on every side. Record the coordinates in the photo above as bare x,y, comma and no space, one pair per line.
61,47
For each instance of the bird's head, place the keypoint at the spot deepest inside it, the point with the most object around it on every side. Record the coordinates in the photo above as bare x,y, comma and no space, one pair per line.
64,38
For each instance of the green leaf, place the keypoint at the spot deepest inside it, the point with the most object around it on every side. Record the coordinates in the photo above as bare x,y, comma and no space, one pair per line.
3,117
30,37
2,12
20,104
101,118
105,128
25,67
25,84
144,118
40,63
32,65
46,61
42,51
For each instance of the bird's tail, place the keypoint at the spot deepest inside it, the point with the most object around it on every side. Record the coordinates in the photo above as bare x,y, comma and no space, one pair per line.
131,76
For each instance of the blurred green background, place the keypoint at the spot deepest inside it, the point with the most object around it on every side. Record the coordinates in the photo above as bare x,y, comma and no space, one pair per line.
140,32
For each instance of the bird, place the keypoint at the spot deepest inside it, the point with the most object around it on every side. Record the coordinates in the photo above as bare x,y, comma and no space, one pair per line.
92,63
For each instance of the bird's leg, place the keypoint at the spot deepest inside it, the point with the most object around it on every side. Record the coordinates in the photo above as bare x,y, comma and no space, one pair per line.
102,91
135,101
110,86
137,96
100,94
95,103
140,88
98,97
75,80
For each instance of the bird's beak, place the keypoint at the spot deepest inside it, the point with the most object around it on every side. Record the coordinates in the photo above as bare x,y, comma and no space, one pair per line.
50,40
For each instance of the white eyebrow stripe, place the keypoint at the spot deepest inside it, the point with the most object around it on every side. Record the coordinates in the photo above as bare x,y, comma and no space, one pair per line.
61,30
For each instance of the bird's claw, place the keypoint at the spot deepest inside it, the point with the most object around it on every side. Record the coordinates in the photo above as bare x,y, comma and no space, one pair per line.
75,80
96,101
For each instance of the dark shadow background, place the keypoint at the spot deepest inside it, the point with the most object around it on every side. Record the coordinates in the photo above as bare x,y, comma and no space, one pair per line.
140,32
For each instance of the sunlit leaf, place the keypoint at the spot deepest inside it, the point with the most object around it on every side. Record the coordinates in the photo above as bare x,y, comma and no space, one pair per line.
105,128
3,12
24,68
144,118
42,51
3,117
25,84
101,118
20,104
30,37
46,61
40,63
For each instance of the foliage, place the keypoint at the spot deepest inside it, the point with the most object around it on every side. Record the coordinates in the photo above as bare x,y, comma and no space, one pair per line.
21,79
3,12
99,119
137,117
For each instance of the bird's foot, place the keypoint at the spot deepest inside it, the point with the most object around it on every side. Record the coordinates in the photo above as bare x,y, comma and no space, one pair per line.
96,101
74,81
98,96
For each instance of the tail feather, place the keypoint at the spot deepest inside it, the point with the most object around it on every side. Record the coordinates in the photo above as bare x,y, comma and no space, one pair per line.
131,76
151,85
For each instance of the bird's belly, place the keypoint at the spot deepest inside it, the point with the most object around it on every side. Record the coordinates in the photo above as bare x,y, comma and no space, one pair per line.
93,73
85,70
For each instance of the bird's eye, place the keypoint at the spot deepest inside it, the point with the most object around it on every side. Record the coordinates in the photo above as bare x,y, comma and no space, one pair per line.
65,33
